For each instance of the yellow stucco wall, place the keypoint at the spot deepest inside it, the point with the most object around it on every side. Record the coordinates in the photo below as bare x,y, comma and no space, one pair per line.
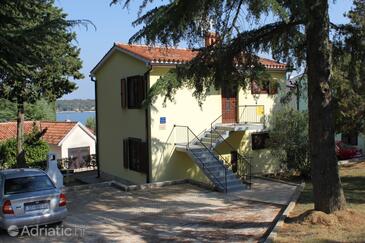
183,111
115,123
186,111
261,160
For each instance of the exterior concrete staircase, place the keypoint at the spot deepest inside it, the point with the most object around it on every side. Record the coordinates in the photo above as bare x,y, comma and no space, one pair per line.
202,151
212,138
222,177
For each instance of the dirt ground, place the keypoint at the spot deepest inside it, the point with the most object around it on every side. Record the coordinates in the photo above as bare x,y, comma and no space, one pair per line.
304,225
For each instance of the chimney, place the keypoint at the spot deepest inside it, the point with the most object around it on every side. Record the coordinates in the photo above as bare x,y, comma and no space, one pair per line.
210,38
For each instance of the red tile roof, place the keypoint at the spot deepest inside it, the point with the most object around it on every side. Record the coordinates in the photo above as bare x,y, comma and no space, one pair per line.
159,54
163,55
8,129
54,131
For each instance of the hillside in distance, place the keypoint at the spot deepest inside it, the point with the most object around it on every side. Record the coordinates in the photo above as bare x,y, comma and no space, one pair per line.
76,105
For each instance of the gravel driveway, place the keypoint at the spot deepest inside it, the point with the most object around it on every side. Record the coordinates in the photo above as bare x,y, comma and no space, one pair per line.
173,213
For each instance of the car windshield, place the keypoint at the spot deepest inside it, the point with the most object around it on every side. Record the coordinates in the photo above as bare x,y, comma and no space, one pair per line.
27,184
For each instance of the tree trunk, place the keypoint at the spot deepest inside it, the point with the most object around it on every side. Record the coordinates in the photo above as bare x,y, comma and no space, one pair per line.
327,189
20,159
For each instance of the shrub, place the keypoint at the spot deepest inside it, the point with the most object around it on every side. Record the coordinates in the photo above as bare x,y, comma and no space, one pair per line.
289,139
36,150
8,153
91,123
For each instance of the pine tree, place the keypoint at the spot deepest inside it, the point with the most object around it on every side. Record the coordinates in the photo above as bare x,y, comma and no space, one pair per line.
37,57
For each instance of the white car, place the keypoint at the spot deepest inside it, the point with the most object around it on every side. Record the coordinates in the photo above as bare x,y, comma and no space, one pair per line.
28,197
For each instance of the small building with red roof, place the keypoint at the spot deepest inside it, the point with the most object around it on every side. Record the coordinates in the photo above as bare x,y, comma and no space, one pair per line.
180,139
65,139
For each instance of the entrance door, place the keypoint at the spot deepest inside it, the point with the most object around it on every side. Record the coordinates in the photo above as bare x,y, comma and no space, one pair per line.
229,105
78,156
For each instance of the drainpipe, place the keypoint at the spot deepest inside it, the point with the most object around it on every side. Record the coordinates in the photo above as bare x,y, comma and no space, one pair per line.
93,79
148,127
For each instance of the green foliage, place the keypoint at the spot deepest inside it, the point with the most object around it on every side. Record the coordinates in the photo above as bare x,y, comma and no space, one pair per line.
91,123
8,111
350,103
75,105
349,72
41,110
38,58
8,153
289,139
36,150
232,60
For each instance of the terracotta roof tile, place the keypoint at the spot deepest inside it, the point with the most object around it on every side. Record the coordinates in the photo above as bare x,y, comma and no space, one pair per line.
163,55
8,129
55,131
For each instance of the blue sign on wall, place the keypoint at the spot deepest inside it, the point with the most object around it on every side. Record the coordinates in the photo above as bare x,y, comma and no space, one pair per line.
162,120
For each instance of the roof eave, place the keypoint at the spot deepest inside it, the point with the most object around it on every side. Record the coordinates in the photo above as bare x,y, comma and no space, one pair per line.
111,51
153,62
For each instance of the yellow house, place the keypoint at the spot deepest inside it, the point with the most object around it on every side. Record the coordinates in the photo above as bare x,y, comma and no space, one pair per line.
179,140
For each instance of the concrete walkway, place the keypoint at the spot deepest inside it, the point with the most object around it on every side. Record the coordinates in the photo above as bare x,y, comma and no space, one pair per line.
268,191
173,213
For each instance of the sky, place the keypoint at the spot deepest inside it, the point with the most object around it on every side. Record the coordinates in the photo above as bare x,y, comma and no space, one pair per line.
114,24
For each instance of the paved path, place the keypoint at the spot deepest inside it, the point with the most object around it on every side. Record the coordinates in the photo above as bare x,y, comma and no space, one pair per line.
173,213
268,191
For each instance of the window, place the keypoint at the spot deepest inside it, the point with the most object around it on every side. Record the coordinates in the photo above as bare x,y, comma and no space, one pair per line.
135,155
259,140
266,87
27,184
350,138
133,91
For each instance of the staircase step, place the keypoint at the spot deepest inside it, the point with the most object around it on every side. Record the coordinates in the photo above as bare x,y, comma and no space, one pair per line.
237,188
208,140
224,128
205,155
231,180
215,134
210,163
208,144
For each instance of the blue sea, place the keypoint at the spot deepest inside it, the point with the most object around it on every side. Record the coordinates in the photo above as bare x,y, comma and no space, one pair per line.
75,116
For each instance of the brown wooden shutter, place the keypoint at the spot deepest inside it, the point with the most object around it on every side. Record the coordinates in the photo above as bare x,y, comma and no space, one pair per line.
143,157
144,90
123,92
273,88
126,153
255,88
141,89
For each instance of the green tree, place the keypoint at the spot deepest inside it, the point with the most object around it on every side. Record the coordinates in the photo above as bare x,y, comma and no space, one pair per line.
37,58
297,34
289,139
41,110
349,72
91,123
36,150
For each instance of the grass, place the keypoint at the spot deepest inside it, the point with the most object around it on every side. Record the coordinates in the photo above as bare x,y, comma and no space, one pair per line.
350,226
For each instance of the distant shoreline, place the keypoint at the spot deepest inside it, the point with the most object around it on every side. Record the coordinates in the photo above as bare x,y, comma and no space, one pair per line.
72,111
